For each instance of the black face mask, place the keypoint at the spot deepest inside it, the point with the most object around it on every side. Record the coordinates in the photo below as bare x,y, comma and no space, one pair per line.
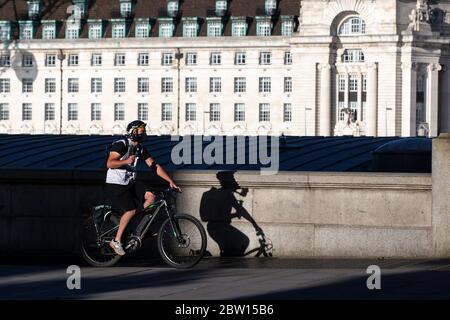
139,137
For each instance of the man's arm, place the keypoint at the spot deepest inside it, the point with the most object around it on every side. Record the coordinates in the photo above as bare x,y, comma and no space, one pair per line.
161,172
114,162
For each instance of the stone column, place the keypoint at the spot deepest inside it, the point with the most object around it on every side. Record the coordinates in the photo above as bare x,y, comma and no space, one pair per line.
325,100
441,191
409,99
433,98
371,104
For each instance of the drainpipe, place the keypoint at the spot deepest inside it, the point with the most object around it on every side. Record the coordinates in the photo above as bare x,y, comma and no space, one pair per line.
61,59
178,56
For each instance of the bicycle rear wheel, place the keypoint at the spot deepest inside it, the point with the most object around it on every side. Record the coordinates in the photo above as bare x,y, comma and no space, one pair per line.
96,253
189,250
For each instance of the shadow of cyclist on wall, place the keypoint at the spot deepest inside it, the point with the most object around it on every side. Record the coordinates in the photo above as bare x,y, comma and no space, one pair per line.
216,208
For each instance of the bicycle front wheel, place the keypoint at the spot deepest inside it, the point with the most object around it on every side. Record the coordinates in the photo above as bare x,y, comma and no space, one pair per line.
186,251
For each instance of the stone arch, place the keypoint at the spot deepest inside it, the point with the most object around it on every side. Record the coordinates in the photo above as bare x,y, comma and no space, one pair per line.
26,128
72,128
5,127
118,129
95,129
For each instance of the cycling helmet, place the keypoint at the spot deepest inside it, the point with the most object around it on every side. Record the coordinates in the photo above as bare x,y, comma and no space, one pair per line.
132,130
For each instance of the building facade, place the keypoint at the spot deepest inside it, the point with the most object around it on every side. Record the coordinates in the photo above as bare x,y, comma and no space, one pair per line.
263,67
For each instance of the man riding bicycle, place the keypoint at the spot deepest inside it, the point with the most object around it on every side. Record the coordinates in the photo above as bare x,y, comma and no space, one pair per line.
123,191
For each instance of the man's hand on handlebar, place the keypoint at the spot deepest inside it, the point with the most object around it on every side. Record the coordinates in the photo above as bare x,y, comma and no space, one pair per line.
174,186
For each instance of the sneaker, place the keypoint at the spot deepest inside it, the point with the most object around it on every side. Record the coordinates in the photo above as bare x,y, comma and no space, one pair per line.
117,247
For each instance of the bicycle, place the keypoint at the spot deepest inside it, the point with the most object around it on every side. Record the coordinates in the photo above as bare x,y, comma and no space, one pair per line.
181,239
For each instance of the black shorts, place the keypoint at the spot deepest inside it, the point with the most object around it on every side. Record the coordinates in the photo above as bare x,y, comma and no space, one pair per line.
125,198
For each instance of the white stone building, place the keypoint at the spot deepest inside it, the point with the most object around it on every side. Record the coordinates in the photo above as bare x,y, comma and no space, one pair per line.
310,67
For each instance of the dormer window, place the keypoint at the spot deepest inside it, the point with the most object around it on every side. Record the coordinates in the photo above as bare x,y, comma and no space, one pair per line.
271,7
5,30
190,27
263,26
172,8
95,29
48,30
81,6
143,28
353,55
287,25
215,27
33,9
119,28
126,8
221,7
166,27
352,26
26,30
239,26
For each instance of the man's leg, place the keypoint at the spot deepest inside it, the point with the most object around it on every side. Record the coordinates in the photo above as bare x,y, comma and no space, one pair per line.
127,216
149,199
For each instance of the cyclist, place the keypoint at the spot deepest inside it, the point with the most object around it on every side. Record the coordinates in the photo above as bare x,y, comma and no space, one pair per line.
123,191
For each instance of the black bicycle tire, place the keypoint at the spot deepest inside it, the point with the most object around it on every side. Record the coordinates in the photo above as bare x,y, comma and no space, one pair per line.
200,227
88,258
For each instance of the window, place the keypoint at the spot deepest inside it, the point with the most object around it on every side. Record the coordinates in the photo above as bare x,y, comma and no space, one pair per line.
216,58
119,112
73,60
341,114
5,85
341,83
264,112
191,58
166,85
5,31
96,85
191,114
49,111
80,8
166,29
33,9
50,60
119,30
95,30
96,59
190,29
270,6
352,26
143,85
239,28
144,59
143,111
364,83
353,83
120,59
239,112
420,84
214,28
27,60
363,111
72,30
73,85
27,85
167,59
191,85
214,112
27,112
287,27
50,85
96,112
126,8
265,58
287,84
265,84
4,111
353,55
5,60
72,112
287,112
166,112
26,31
48,31
288,58
119,85
172,7
142,29
215,85
221,7
240,84
240,58
263,28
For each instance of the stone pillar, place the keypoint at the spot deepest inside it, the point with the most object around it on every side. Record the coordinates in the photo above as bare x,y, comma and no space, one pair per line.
409,99
325,100
433,98
441,195
371,104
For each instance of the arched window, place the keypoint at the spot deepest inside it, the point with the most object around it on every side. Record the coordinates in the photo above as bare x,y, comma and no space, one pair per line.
352,26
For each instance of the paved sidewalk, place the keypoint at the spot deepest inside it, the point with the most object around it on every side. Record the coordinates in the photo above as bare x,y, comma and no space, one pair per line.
227,278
